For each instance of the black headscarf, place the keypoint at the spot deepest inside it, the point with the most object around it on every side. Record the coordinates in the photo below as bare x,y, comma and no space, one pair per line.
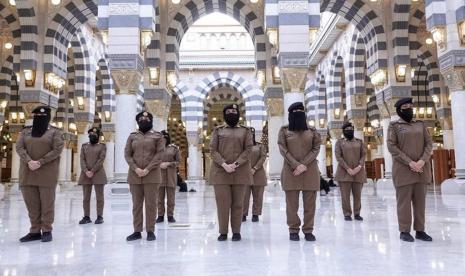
231,119
407,113
253,136
348,133
144,125
167,137
94,135
297,117
41,120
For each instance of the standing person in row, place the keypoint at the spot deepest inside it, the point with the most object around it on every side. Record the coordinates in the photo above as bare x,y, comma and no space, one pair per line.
39,148
411,147
257,158
350,174
230,172
143,152
299,144
170,161
93,174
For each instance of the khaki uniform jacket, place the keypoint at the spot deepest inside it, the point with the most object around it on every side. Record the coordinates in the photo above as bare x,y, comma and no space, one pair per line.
171,155
46,150
350,154
144,151
299,147
257,158
409,142
92,158
229,145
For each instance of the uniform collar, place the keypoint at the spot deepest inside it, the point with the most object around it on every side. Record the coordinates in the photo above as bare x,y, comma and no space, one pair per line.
402,121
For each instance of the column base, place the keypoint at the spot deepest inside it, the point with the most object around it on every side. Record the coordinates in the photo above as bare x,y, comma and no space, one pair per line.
388,175
12,188
68,185
460,173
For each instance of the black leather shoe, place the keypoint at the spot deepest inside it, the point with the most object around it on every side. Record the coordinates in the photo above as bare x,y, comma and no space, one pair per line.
134,236
358,217
47,237
310,237
420,235
151,236
99,220
294,237
244,218
405,236
171,219
347,218
255,218
222,237
160,219
31,237
85,220
236,237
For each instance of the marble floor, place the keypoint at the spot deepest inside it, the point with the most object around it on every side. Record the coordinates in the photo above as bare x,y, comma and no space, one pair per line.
189,247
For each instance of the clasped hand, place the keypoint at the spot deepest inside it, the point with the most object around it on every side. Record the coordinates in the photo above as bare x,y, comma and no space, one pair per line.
33,165
229,168
299,170
164,165
417,166
354,171
89,174
141,172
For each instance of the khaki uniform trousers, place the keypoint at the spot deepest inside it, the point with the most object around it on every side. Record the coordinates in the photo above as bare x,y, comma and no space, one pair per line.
149,194
292,207
229,199
40,204
170,198
409,196
87,190
346,189
257,195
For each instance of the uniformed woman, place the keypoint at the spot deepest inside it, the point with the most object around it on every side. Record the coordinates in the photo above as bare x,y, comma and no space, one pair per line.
143,152
39,148
257,158
350,174
169,163
93,174
230,171
410,146
299,144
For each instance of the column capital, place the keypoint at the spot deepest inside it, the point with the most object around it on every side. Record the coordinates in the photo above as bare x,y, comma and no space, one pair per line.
358,123
454,77
275,107
109,136
335,133
82,127
294,79
158,108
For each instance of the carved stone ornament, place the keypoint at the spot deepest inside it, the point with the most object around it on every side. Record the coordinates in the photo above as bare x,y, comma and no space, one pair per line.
335,133
123,9
295,6
275,107
109,136
82,127
126,81
157,108
454,78
358,123
294,79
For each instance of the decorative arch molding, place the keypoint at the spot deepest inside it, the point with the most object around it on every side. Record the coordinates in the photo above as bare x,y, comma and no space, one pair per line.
62,28
368,23
195,9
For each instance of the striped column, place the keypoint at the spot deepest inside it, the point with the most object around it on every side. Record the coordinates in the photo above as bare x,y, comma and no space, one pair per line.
129,26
